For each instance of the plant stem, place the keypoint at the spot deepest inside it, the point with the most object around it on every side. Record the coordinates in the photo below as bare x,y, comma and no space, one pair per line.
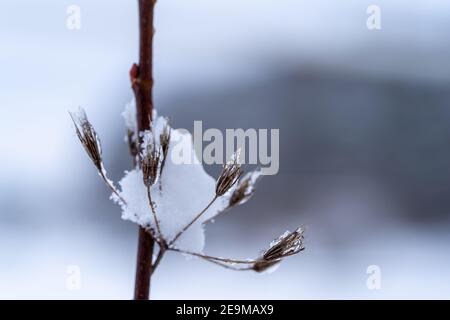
144,266
193,221
229,266
142,84
206,257
152,207
110,185
161,252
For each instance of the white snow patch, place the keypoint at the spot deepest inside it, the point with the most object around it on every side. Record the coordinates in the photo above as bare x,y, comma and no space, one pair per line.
186,191
129,115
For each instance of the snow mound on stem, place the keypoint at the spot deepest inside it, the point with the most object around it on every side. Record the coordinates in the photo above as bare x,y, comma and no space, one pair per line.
186,189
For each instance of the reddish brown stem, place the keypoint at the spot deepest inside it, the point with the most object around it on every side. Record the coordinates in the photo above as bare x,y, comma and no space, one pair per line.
142,84
144,266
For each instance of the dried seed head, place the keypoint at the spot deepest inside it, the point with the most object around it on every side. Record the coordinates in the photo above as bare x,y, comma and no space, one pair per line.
286,245
151,159
230,174
88,137
164,141
262,265
245,188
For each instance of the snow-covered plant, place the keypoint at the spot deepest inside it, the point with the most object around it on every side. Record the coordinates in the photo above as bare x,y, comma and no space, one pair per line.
172,202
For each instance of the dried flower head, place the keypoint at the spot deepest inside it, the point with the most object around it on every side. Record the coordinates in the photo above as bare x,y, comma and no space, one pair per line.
230,174
151,159
88,137
245,188
286,245
263,265
164,141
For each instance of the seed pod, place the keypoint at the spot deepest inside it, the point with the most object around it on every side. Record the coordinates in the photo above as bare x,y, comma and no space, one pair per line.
230,174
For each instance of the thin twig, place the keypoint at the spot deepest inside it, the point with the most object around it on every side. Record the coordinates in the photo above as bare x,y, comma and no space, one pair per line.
231,267
152,206
193,221
111,186
162,251
216,215
207,257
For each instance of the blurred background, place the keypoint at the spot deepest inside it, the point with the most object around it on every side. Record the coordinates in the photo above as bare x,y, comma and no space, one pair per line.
364,143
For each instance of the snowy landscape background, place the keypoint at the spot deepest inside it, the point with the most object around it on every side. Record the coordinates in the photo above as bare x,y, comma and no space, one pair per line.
364,128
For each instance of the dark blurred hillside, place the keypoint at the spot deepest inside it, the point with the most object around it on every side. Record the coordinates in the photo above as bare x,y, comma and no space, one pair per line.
354,151
396,132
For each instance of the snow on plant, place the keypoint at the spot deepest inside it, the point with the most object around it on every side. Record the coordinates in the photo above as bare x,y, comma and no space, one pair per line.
171,201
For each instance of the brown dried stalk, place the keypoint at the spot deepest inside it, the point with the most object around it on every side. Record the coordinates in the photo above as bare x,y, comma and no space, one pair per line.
207,257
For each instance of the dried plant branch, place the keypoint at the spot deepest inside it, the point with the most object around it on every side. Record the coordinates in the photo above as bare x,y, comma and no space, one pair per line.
230,266
162,251
286,245
151,160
